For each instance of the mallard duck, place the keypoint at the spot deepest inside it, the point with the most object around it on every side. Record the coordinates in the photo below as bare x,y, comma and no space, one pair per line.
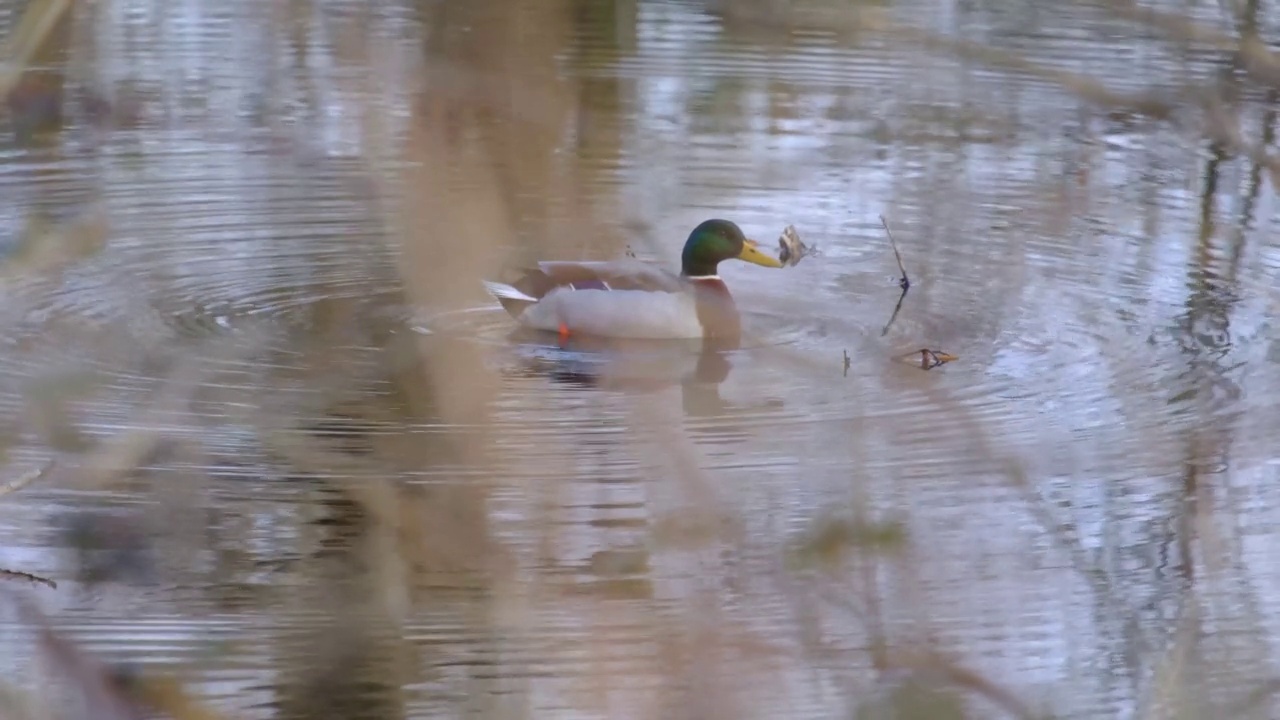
632,299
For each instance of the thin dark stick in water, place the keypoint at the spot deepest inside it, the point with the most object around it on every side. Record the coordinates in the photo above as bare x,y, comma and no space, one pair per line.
19,575
896,308
904,282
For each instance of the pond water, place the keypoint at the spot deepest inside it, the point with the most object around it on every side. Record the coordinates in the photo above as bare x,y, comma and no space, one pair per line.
379,502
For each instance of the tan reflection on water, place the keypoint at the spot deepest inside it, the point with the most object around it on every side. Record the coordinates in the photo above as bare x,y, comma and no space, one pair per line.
305,465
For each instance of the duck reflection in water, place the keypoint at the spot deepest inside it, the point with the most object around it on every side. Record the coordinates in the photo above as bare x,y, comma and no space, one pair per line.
610,364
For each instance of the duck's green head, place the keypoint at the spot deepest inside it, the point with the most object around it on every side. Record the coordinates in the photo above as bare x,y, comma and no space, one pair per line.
716,240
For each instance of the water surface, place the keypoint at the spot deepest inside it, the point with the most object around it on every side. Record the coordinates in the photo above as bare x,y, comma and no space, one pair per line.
320,535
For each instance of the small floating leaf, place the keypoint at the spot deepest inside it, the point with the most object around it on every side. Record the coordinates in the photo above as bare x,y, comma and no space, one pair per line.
791,249
927,359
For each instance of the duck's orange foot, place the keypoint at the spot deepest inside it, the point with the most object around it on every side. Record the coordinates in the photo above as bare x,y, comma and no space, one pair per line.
564,332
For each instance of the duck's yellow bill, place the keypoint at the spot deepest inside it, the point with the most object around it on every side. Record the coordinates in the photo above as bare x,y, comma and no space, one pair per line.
752,253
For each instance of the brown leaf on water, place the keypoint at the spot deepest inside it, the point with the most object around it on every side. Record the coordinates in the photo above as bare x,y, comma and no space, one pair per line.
791,249
926,359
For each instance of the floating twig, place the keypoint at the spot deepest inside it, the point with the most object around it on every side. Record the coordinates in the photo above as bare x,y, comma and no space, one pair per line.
894,316
19,575
847,361
904,282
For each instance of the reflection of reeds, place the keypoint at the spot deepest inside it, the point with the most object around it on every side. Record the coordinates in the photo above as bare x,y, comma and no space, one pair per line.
1216,120
100,691
1256,57
26,39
